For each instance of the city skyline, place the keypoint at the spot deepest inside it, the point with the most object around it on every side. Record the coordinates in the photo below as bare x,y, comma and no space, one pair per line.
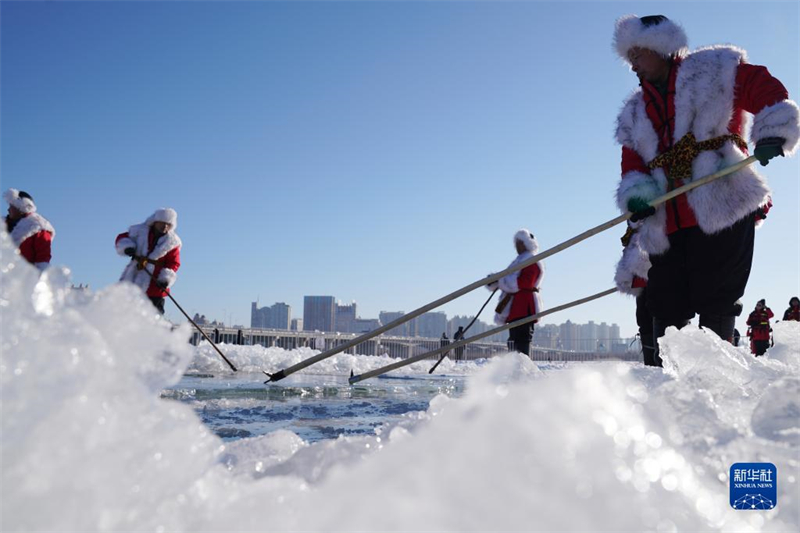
568,335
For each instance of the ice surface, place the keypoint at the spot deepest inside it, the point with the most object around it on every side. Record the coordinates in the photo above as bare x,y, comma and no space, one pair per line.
88,444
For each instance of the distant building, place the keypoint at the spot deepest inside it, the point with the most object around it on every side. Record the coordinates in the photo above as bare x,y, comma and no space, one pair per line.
319,313
390,316
546,335
587,337
363,325
478,326
276,316
614,333
432,325
568,334
345,318
297,324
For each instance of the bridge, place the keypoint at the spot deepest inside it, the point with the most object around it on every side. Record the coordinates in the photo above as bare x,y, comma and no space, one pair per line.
393,346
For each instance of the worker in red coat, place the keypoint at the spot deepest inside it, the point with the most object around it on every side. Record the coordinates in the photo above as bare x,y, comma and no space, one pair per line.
519,297
793,312
31,232
684,122
760,328
155,252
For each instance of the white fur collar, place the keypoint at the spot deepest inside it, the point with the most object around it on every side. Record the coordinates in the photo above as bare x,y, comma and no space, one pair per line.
139,234
29,226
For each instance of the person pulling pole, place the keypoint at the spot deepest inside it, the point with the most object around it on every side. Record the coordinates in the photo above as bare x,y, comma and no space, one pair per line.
154,249
687,119
519,296
154,240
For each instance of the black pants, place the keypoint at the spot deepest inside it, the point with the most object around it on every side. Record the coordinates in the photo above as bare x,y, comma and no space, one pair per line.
158,302
761,347
702,274
645,322
519,338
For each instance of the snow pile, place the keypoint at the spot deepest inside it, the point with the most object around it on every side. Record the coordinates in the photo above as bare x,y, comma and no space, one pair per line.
88,445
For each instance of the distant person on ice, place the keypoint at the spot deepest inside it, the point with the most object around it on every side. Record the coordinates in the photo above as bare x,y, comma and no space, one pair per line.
759,327
30,231
684,122
155,252
793,312
520,293
459,335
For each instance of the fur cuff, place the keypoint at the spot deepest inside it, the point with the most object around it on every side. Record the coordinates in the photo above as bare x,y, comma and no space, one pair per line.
636,184
778,120
634,263
168,275
123,243
508,284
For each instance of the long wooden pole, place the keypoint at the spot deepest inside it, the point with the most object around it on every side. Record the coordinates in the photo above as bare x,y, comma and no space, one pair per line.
277,376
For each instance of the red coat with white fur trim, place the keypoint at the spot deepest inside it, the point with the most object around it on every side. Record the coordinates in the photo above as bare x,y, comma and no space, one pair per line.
523,285
33,234
712,88
166,252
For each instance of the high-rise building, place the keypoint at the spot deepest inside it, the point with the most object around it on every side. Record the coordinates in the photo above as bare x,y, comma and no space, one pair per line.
568,334
432,325
297,324
614,333
345,318
587,335
546,335
603,337
276,316
319,313
389,316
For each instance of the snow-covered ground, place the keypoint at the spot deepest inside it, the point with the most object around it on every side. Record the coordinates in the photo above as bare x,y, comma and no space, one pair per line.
88,443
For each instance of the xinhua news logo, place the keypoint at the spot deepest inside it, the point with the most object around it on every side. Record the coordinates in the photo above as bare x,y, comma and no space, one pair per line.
754,486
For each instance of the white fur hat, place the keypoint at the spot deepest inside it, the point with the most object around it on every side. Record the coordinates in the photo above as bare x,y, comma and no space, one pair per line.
165,214
23,203
526,238
656,33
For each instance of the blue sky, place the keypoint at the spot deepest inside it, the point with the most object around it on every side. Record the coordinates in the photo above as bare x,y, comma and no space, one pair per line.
382,152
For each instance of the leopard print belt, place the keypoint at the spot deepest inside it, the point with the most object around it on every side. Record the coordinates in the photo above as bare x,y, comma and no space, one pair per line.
679,158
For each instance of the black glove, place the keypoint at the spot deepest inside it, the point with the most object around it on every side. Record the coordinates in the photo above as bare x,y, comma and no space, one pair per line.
130,252
162,284
768,148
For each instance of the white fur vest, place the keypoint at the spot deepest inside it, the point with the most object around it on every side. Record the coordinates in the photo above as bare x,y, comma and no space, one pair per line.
138,238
